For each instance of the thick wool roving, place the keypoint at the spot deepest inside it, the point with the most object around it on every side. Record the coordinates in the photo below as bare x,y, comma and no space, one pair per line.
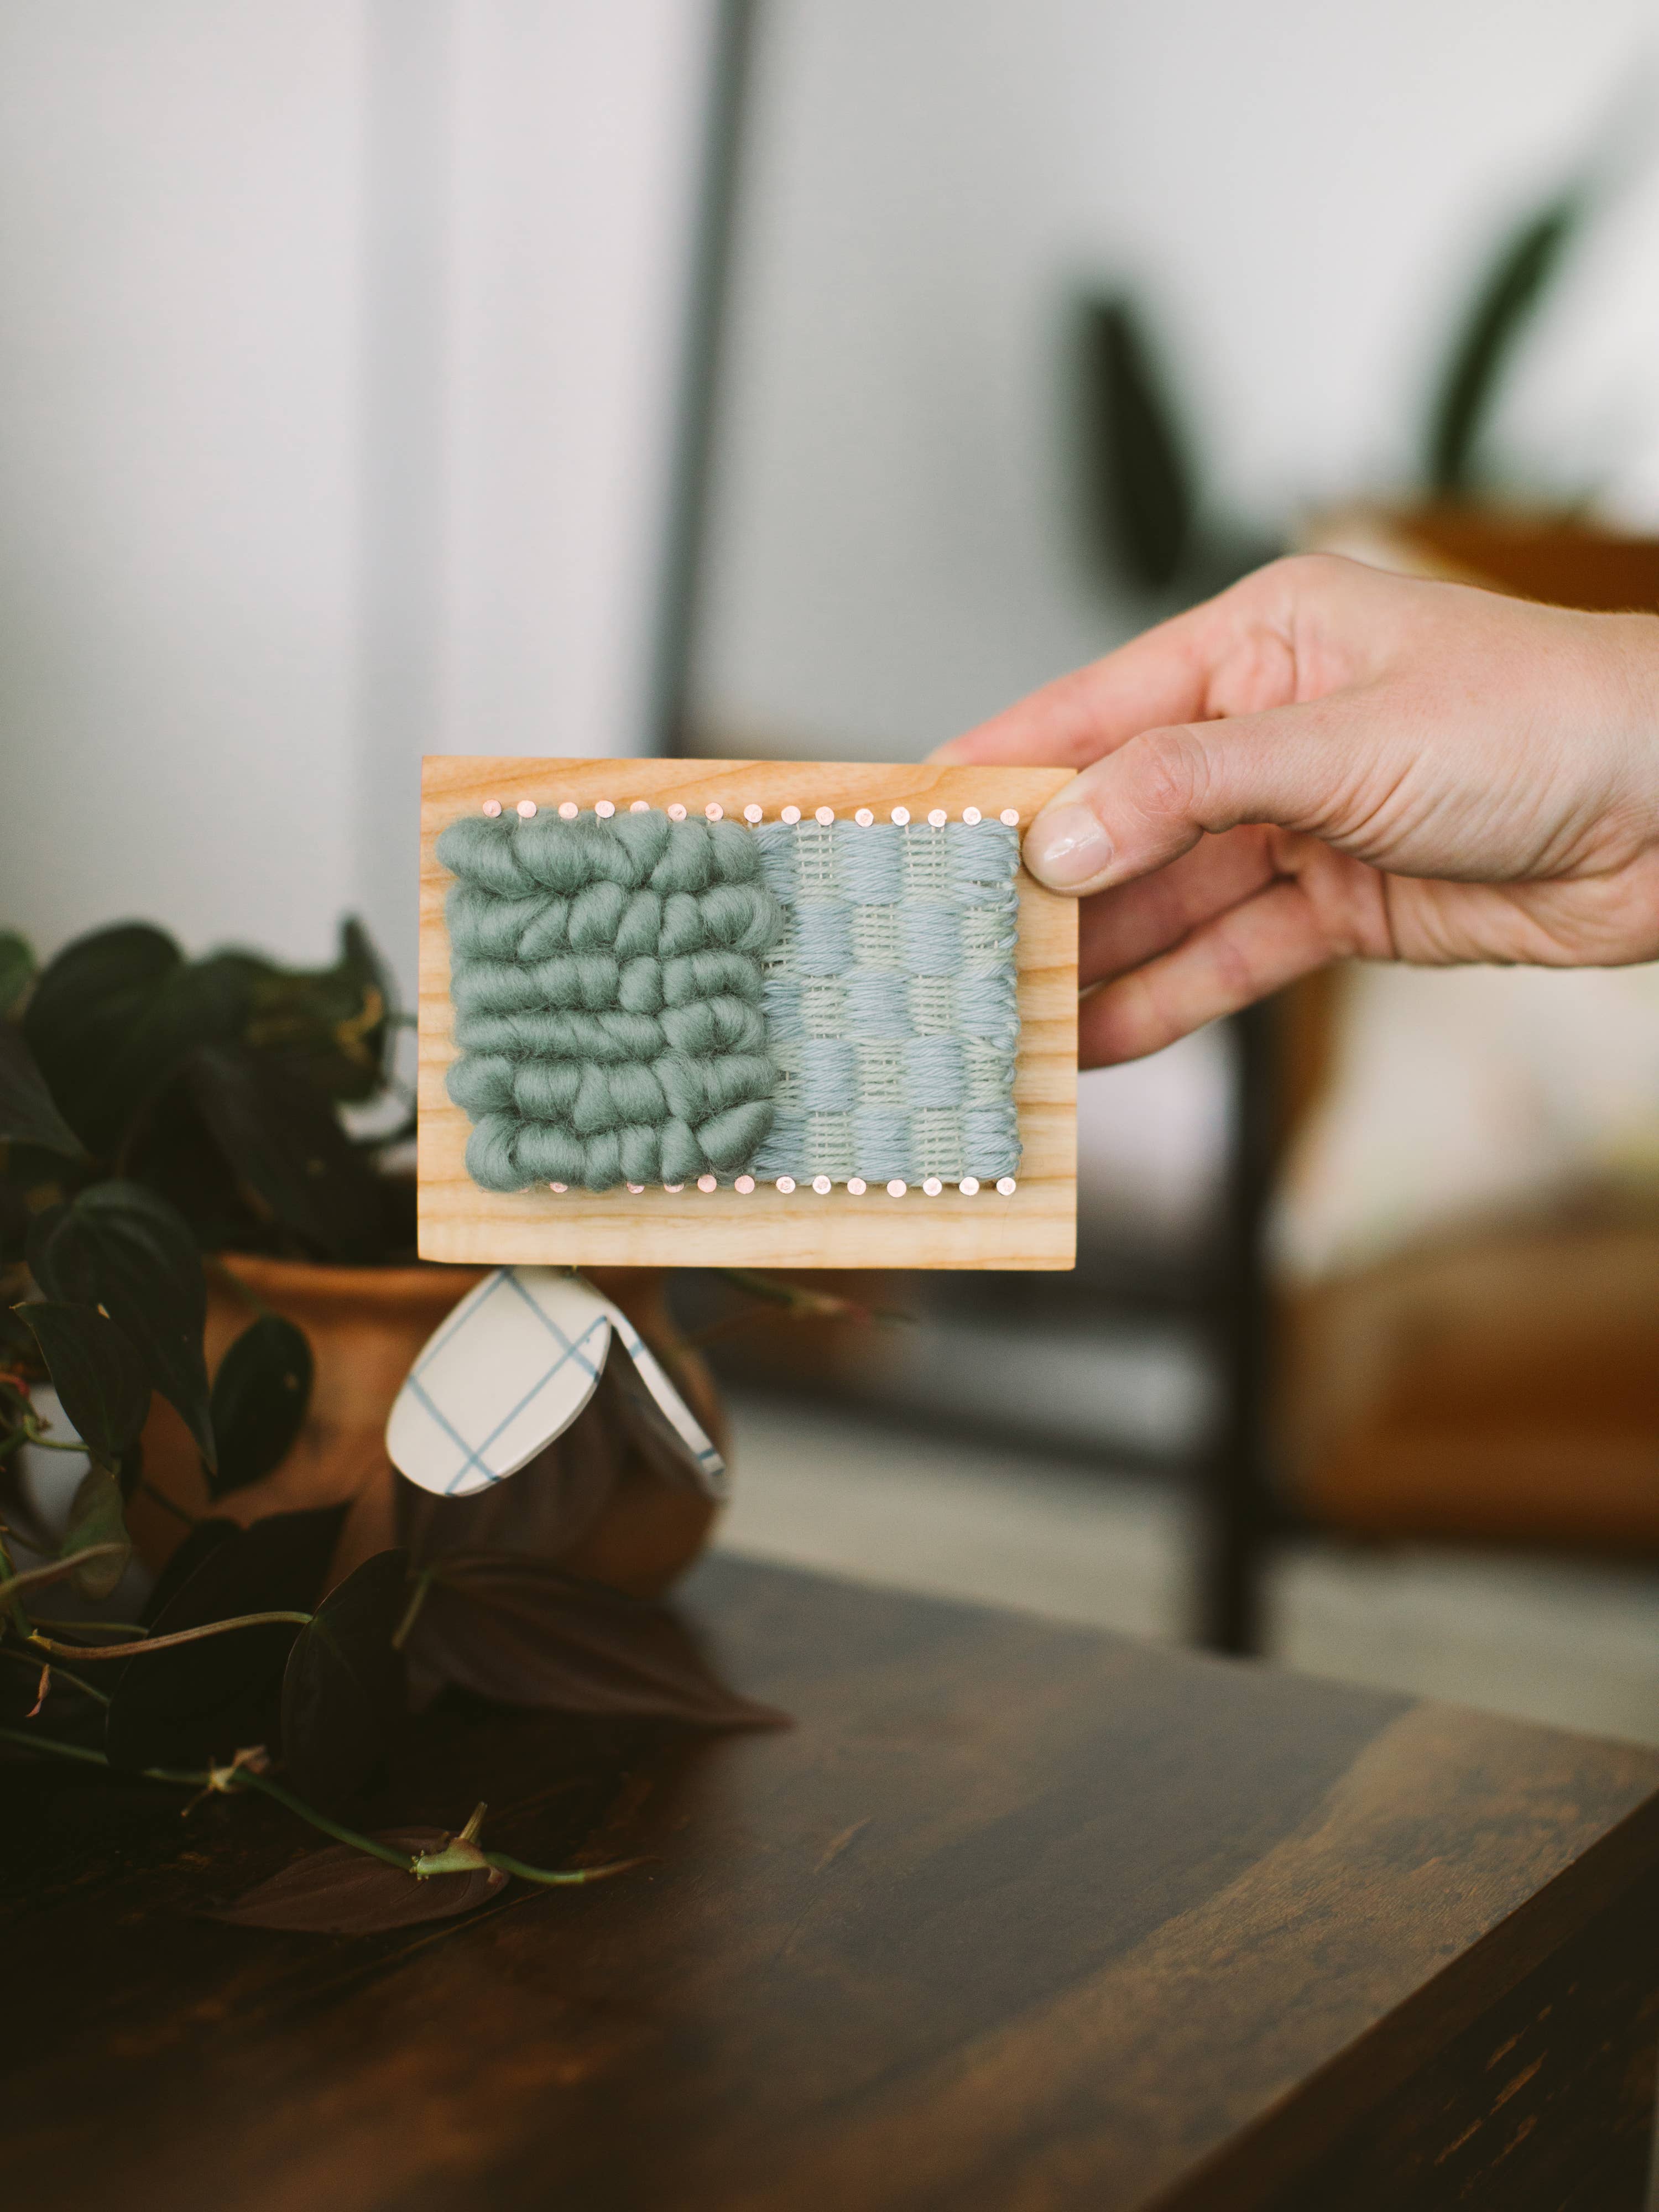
607,985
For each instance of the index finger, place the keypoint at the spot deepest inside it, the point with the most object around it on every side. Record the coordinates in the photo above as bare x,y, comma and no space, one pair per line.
1158,678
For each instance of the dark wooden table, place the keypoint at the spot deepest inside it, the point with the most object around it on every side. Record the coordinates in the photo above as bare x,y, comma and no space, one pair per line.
1018,1916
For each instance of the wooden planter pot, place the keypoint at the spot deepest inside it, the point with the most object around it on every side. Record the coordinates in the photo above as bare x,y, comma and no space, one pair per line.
591,1502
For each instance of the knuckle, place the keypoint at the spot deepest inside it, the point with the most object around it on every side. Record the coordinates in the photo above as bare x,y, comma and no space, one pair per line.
1310,575
1175,775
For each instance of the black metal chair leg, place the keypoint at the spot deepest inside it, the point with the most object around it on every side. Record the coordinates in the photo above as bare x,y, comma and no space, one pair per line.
1235,1503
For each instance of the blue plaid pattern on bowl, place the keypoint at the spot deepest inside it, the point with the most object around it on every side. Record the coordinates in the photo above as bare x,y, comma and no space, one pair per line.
510,1368
507,1372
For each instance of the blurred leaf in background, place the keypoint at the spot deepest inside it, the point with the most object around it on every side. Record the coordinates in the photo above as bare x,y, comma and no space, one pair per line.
118,1012
1515,287
1137,473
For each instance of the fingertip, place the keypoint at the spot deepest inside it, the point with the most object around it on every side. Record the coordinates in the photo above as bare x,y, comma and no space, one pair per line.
956,752
1067,849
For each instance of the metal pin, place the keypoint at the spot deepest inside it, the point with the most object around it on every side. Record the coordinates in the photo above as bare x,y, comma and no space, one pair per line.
641,806
1011,817
936,818
790,814
569,810
864,818
901,814
492,807
933,1186
825,815
896,1189
1007,1186
605,809
969,1185
637,1187
707,1183
786,1184
676,812
528,808
857,1185
971,814
673,1188
751,813
743,1185
558,1186
714,811
822,1185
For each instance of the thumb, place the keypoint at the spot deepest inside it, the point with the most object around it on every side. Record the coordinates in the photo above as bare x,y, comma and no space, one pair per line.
1155,797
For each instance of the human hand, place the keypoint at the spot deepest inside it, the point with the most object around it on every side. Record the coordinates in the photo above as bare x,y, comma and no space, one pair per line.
1328,762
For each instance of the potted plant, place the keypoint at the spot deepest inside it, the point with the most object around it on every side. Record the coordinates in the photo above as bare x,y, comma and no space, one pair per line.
207,1249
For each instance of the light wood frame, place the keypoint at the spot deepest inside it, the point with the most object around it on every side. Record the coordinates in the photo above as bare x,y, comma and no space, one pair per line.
1035,1227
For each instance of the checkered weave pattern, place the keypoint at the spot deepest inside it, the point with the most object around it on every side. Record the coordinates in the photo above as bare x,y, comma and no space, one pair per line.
890,1001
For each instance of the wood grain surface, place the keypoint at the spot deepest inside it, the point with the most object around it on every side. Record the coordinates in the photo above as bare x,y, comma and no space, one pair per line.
1036,1227
1016,1918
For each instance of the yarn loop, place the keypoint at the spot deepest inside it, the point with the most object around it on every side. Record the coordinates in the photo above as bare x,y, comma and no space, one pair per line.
607,986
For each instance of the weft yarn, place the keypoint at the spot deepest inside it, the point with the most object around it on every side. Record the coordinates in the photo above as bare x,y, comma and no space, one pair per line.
892,1001
607,985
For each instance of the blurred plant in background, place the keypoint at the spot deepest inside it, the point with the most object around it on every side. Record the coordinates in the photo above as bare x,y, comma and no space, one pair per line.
1153,523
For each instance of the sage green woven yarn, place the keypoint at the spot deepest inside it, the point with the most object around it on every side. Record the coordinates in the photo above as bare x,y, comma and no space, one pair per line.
606,981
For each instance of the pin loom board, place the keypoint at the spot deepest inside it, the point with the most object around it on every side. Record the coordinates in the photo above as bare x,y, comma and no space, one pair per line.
742,1014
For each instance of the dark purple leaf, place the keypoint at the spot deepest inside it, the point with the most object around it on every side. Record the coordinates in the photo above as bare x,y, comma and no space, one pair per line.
119,1246
547,1507
86,1022
205,1538
16,968
344,1694
260,1395
100,1379
28,1114
284,1140
205,1699
343,1891
519,1632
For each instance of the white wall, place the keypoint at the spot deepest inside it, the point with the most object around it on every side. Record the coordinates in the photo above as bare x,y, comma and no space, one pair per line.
1300,192
180,392
338,357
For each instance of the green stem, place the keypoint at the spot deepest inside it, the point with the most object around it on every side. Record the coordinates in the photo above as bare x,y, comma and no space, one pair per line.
246,1779
234,1283
550,1879
8,1576
242,1777
160,1498
8,1651
87,1627
423,1582
55,1571
166,1643
96,1757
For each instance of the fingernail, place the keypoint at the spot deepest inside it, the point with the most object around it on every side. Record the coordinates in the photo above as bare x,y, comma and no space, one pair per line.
1065,847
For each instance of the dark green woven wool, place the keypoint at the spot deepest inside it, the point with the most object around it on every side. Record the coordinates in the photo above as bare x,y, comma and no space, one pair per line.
606,981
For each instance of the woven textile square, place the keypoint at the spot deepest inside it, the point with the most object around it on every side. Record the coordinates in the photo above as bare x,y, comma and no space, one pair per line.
607,987
648,1001
890,1001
